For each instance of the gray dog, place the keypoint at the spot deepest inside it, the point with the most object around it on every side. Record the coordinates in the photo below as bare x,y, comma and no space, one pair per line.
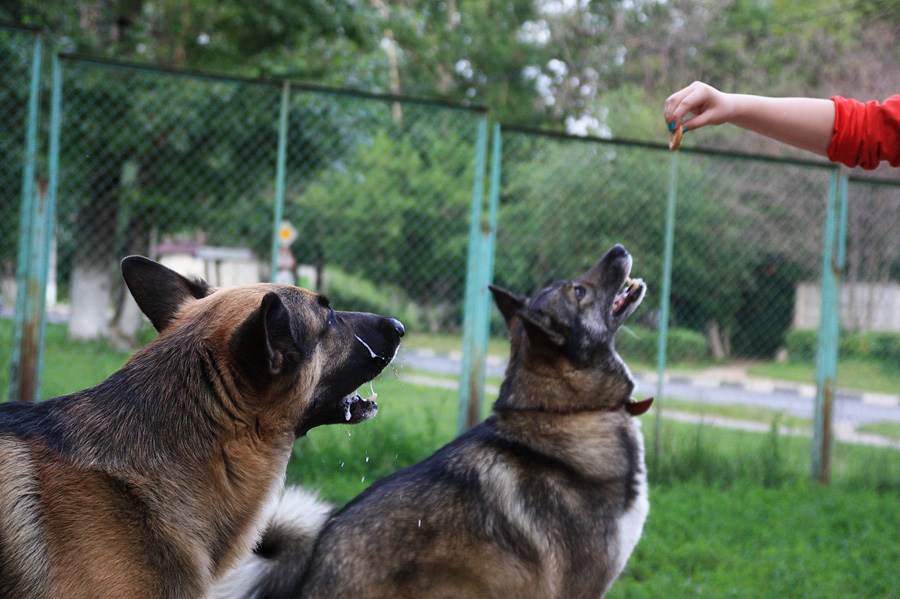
546,498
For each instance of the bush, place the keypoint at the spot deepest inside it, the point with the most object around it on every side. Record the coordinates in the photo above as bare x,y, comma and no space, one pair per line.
878,346
801,345
640,344
357,294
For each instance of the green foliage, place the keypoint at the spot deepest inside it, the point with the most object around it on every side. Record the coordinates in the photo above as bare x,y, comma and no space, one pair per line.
564,203
16,52
881,347
640,344
394,208
357,294
801,345
767,308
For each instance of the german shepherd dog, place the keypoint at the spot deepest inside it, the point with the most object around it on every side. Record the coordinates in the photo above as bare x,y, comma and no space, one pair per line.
154,482
545,499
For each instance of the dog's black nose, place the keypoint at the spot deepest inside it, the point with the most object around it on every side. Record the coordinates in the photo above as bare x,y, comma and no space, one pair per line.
618,251
398,326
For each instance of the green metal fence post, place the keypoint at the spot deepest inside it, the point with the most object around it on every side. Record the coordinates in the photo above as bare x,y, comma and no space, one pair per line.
833,256
477,306
23,376
45,239
664,299
279,176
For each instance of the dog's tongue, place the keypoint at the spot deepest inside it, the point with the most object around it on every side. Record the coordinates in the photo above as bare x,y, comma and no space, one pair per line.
636,408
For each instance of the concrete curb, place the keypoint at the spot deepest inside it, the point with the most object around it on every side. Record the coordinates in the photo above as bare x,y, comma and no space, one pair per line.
767,387
844,433
496,366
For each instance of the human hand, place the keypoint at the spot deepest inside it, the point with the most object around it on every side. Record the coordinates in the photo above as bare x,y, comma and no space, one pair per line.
708,105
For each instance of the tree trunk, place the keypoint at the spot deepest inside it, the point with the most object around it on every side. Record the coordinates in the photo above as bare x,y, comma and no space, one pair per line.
91,285
127,322
91,297
718,346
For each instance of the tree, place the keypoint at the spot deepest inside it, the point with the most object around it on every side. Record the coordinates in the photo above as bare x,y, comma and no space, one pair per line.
394,208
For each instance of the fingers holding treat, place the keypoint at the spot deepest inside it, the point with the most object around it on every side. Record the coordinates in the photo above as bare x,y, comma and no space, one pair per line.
675,138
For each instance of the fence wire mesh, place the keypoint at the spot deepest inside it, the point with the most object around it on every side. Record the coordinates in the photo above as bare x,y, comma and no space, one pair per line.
18,49
746,233
380,192
185,167
746,277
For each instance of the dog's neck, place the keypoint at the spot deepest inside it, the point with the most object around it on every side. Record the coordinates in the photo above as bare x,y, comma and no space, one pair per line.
555,389
588,442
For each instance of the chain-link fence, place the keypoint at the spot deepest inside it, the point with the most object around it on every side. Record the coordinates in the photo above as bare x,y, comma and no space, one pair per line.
199,171
747,232
185,168
745,295
20,55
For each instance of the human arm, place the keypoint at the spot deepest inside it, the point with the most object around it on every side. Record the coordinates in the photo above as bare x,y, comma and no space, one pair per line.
806,123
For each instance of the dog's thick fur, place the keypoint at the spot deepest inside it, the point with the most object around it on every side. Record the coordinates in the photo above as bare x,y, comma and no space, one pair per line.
545,499
154,482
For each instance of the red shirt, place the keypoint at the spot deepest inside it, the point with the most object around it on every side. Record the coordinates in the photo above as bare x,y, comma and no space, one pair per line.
865,134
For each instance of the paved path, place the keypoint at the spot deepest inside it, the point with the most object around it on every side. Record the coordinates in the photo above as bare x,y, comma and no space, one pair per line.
844,432
720,385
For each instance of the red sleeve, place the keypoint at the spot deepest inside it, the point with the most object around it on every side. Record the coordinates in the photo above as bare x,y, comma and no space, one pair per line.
865,134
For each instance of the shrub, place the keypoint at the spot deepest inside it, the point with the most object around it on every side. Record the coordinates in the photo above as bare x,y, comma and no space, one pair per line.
639,344
801,345
873,345
354,293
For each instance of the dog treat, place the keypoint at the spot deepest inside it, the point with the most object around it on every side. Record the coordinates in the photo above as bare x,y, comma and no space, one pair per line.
675,138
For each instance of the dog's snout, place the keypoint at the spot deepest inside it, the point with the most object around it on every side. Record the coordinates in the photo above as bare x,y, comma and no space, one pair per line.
398,326
617,251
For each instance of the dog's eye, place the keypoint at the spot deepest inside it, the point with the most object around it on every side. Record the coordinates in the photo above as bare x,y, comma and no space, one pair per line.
579,293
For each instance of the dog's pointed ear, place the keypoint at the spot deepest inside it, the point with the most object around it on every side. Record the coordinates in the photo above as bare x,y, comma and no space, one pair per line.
160,291
507,302
265,339
540,328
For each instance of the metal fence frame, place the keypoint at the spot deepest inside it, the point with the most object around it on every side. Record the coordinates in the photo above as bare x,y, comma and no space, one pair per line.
37,218
833,265
28,333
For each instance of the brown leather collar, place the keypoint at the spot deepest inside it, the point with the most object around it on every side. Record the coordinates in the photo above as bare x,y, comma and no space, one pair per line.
631,405
636,408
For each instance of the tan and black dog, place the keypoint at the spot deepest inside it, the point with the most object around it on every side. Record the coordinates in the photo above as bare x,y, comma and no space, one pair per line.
154,482
545,499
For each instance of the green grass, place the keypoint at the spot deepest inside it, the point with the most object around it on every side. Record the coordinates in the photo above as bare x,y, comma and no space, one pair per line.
857,375
452,344
738,412
890,430
68,366
733,513
749,542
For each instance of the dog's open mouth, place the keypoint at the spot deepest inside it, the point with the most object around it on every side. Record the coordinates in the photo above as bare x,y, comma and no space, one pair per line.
631,295
358,409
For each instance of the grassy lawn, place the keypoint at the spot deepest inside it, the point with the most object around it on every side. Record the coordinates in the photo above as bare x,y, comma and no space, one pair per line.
858,375
68,366
733,513
738,412
890,430
745,542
